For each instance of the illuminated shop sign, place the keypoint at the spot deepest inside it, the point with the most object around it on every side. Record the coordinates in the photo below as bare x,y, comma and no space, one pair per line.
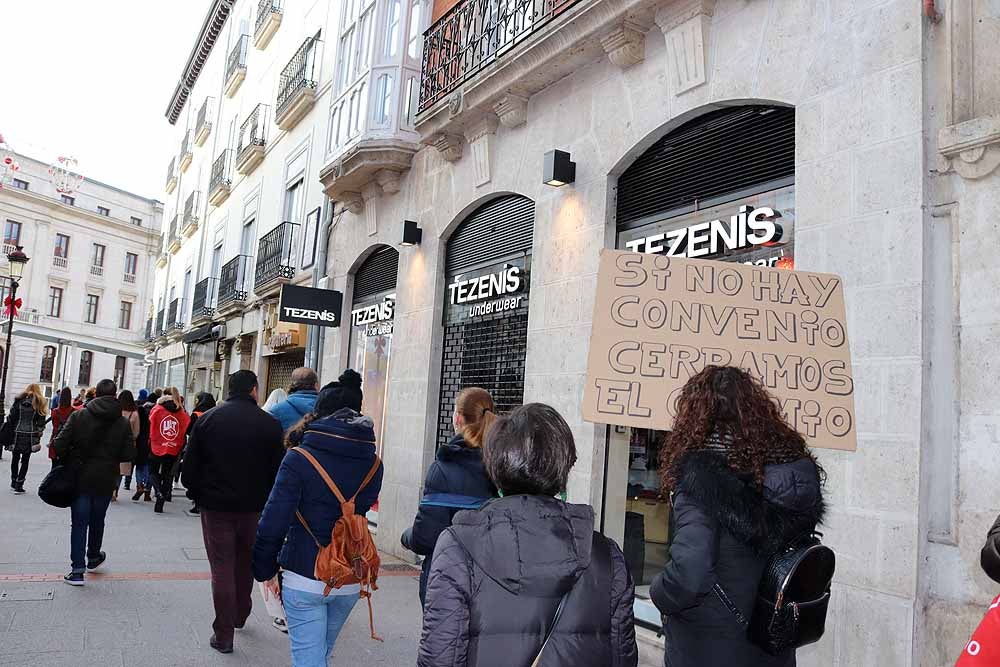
749,227
487,288
376,318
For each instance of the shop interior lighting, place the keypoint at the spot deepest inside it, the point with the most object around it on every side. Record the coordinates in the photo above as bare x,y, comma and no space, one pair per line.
412,234
558,169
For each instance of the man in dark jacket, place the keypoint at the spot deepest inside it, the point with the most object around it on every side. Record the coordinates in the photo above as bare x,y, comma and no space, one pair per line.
301,399
232,459
97,439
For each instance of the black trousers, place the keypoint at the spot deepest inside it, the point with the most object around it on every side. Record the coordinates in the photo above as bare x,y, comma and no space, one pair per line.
229,538
161,475
18,466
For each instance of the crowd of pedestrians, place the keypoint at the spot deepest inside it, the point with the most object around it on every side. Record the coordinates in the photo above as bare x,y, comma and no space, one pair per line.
513,574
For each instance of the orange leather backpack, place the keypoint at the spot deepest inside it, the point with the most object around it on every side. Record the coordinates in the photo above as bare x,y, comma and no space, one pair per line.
351,556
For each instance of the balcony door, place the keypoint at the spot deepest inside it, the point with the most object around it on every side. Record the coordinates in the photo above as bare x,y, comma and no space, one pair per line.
246,238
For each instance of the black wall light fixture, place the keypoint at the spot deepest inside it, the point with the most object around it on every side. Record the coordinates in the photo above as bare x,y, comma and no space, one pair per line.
559,169
412,234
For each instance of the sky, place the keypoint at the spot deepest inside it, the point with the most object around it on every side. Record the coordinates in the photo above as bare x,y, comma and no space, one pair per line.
93,80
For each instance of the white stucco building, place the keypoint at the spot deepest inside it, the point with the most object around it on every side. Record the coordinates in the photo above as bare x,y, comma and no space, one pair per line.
873,127
86,286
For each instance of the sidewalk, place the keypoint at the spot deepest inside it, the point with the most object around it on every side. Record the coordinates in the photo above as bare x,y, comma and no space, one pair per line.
151,604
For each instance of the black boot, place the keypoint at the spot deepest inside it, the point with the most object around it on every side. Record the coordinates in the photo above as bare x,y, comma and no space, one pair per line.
158,508
138,493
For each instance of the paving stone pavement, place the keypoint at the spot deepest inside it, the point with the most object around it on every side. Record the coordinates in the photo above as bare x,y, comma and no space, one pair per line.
152,604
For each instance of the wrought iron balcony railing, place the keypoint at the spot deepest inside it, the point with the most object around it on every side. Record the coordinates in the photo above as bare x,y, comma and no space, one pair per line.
191,206
264,10
473,34
222,176
172,171
160,330
298,74
234,281
203,302
252,131
175,314
276,254
129,278
237,57
204,125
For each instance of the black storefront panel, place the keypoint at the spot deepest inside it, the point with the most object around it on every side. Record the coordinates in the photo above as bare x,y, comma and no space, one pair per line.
486,306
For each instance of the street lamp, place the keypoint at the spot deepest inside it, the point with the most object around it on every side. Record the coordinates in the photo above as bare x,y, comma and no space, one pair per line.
16,261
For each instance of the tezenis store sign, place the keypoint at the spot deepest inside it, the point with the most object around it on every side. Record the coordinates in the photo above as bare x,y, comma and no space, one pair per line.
309,305
508,281
750,227
377,318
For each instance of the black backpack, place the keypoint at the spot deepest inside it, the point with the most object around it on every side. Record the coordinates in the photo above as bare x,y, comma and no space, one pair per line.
792,598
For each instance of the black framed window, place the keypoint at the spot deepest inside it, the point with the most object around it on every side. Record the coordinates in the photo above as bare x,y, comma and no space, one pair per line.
86,364
12,233
62,246
97,255
103,210
125,315
48,363
55,301
136,221
119,377
20,185
131,263
69,201
93,301
309,238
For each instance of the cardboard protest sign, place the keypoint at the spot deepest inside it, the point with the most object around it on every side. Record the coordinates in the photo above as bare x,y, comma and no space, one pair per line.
658,320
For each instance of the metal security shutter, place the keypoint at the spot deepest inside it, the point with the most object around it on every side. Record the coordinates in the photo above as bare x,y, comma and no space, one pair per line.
487,353
280,367
496,229
377,273
726,151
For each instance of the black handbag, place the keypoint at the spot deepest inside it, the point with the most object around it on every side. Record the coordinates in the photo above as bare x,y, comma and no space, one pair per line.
792,599
61,486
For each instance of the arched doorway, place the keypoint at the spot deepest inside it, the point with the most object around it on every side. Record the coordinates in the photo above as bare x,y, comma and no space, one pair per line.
373,308
691,194
487,267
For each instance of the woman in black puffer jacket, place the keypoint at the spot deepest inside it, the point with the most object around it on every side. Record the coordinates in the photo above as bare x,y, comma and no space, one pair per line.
456,480
744,485
528,566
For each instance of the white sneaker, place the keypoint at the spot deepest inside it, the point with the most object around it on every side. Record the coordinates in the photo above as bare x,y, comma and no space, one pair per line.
279,624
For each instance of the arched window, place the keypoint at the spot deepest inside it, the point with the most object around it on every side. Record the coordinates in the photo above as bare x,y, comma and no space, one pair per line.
48,363
86,363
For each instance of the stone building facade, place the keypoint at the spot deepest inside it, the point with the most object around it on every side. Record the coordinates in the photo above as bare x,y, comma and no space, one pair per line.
86,284
870,125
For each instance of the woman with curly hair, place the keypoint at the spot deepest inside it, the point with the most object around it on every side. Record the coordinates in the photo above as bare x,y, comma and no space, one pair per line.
744,484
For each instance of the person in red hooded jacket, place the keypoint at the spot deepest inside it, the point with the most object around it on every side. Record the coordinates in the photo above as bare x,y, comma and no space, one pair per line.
168,425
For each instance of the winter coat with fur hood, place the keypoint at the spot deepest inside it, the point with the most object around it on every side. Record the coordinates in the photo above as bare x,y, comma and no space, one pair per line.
725,527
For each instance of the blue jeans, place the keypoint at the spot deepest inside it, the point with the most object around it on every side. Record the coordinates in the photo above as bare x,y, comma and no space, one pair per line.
314,622
87,534
141,473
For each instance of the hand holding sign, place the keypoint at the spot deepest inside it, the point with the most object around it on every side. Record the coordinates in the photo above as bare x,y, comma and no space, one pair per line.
658,320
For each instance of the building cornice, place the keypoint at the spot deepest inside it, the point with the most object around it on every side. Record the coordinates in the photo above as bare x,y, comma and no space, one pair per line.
85,215
211,28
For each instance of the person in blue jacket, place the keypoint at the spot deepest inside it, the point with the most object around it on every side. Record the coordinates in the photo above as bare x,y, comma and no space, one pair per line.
456,480
343,441
301,398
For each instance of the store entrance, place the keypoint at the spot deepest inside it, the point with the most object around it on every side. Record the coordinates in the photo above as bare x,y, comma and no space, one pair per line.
647,510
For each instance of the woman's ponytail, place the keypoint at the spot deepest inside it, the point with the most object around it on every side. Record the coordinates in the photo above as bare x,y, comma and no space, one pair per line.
478,412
